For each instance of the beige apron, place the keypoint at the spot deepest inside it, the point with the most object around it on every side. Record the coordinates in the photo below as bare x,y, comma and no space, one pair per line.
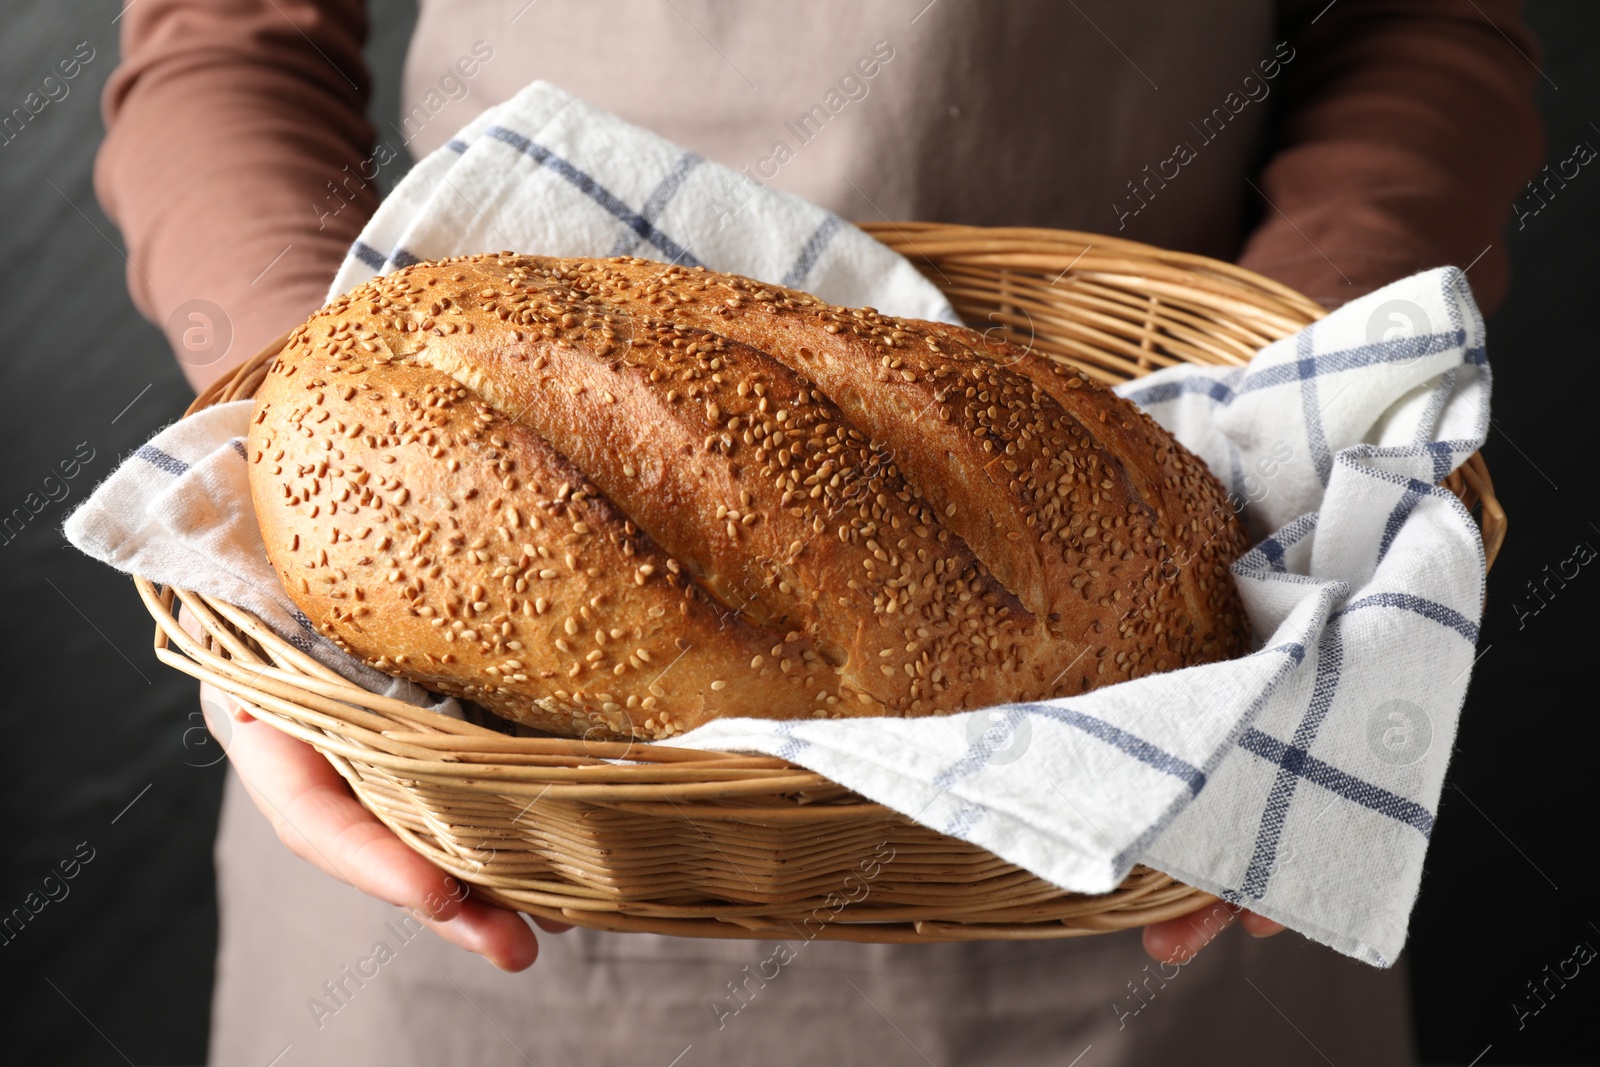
1022,113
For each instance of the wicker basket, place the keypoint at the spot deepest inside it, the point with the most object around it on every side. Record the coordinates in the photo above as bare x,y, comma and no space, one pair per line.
709,844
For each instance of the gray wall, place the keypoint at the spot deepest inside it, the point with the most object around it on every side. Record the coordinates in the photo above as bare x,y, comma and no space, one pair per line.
120,968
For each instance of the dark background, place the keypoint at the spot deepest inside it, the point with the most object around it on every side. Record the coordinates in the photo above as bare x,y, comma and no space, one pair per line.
103,755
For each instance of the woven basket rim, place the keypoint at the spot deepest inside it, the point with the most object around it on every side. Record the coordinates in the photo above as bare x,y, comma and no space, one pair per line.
1201,309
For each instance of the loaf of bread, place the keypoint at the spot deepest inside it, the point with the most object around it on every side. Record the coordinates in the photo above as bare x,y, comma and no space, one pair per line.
616,498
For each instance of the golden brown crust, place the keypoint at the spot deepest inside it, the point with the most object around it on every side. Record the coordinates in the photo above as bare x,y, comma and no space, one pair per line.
617,497
1071,495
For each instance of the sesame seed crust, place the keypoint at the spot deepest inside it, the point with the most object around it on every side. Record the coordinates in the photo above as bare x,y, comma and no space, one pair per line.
1077,501
617,498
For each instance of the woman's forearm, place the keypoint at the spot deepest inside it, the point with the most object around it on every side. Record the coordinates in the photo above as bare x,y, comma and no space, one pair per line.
233,162
1404,132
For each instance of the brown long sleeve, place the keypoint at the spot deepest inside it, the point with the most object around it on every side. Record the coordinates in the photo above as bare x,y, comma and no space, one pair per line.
1404,132
1401,131
226,122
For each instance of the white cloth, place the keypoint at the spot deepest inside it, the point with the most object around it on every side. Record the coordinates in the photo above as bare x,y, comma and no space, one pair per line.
1299,781
546,172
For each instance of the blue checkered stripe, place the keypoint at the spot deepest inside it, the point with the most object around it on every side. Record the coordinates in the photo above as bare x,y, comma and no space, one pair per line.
1287,736
638,231
1309,379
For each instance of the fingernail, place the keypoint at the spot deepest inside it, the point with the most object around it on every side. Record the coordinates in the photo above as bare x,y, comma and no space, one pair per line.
514,963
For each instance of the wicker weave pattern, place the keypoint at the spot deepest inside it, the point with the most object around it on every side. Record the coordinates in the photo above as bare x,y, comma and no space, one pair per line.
709,844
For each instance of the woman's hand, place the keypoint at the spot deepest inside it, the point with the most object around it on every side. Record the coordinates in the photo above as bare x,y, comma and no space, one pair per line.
1178,940
317,817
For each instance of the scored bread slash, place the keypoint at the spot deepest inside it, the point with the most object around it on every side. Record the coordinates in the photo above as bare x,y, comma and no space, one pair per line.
610,497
